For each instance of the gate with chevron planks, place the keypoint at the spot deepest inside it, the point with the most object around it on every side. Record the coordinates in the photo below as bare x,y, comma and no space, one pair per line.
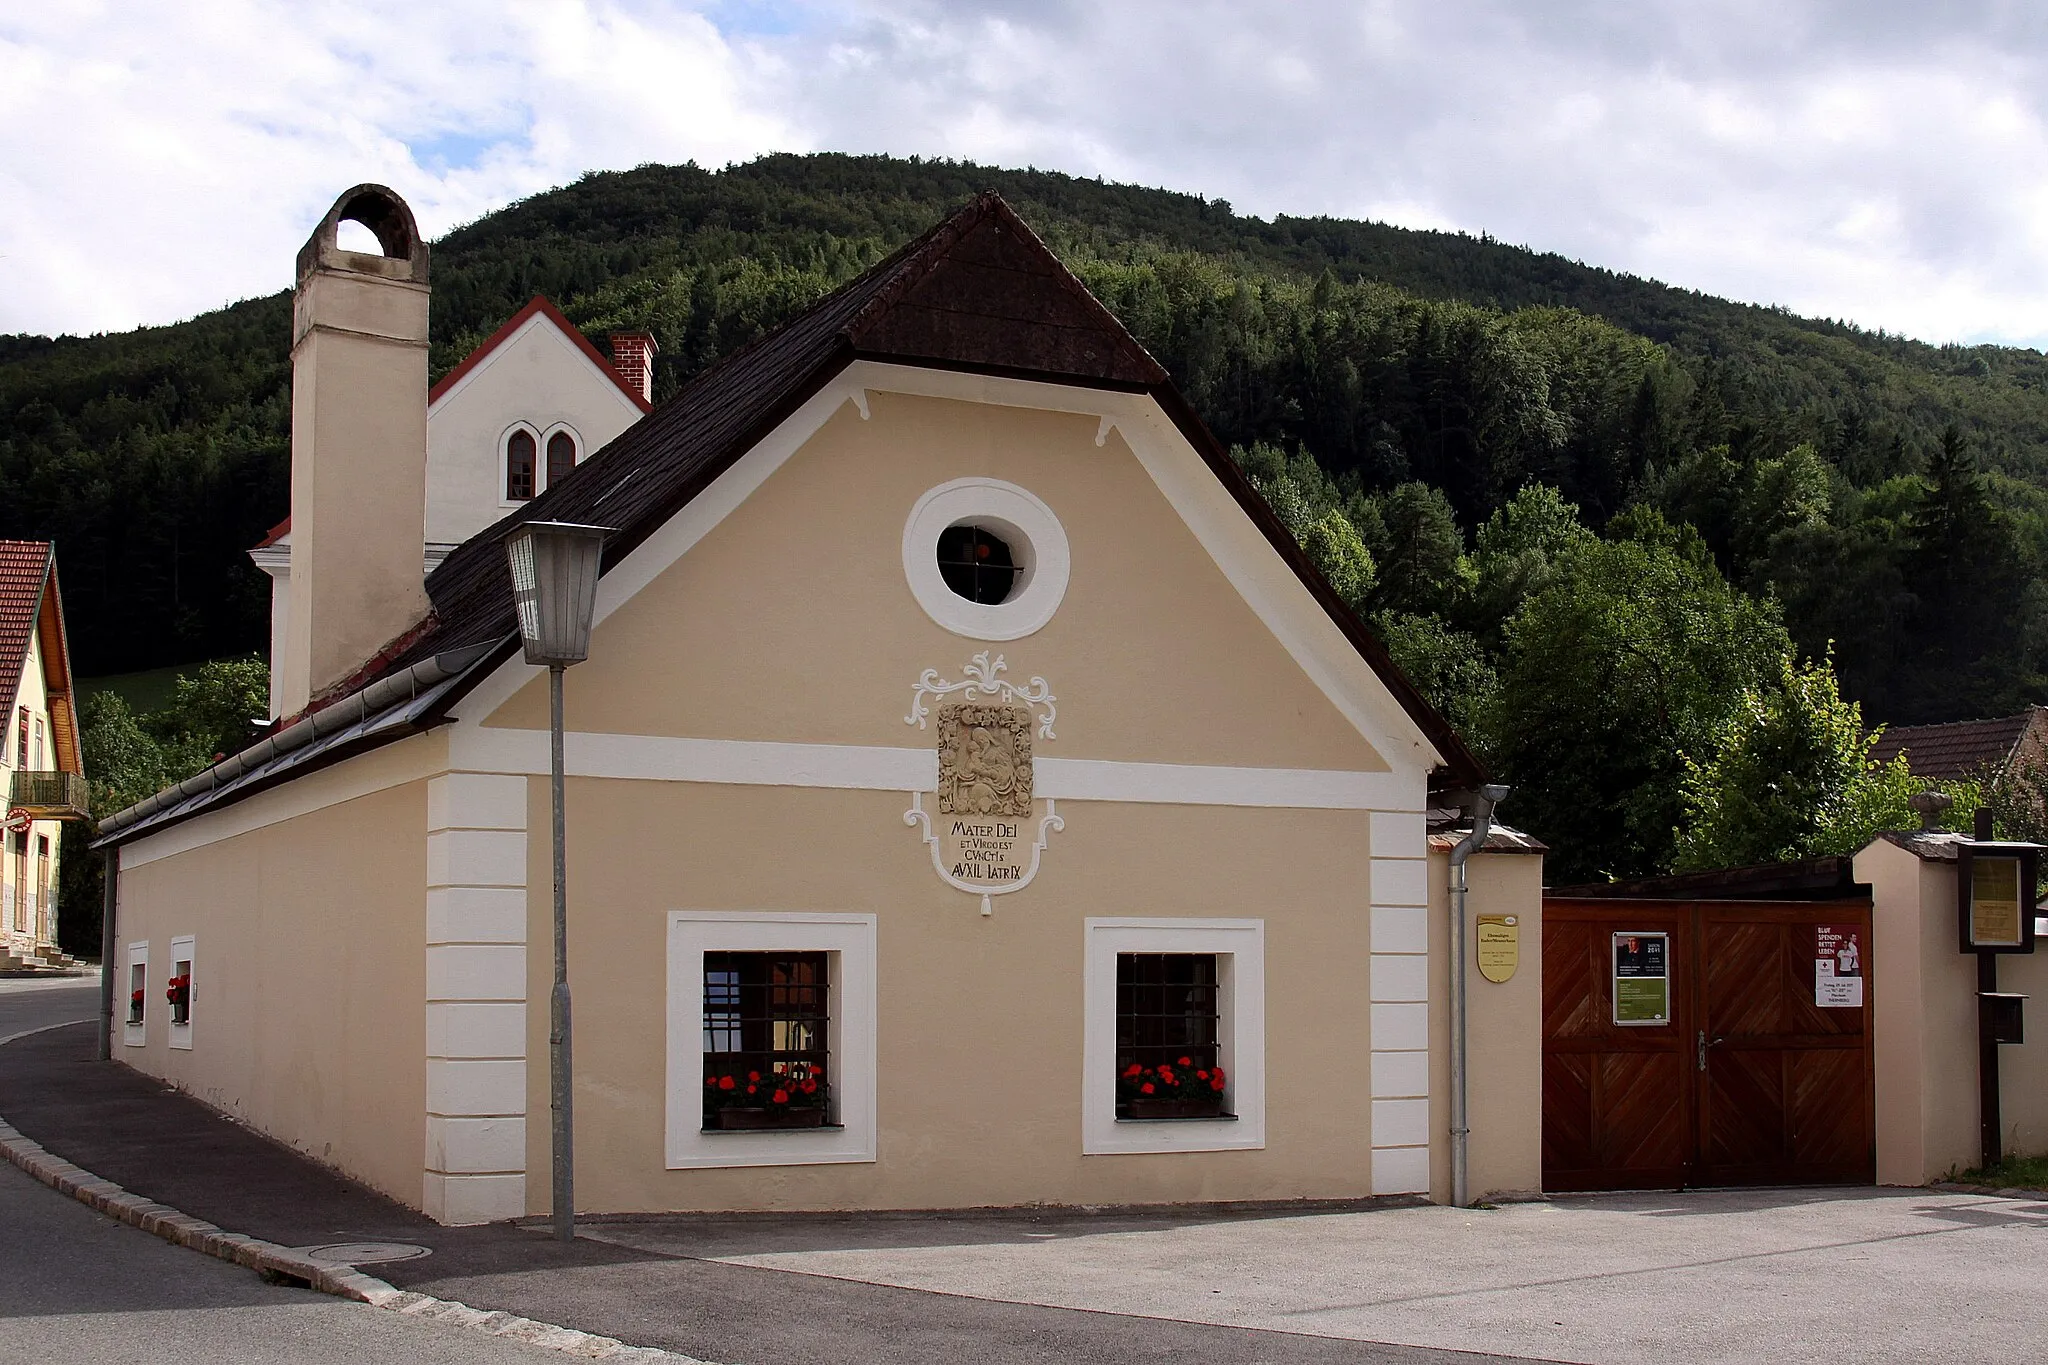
1724,1071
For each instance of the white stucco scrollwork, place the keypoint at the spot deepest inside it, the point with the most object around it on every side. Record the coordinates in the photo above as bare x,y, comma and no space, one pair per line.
983,681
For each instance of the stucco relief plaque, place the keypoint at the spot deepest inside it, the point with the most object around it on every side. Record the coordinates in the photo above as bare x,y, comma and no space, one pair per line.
984,795
985,829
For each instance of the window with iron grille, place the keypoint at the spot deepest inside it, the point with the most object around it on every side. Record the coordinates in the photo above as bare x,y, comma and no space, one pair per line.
1167,1048
520,454
766,1042
977,564
561,456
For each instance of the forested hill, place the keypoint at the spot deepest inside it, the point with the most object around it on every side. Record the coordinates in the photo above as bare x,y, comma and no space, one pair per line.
1795,447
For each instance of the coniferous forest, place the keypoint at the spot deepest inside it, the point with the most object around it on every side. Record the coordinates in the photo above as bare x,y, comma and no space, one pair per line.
1650,549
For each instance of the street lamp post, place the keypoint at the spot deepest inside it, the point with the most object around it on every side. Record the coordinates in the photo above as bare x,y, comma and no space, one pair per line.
554,591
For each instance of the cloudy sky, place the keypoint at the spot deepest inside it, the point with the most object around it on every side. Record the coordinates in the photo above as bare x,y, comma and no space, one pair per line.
1876,160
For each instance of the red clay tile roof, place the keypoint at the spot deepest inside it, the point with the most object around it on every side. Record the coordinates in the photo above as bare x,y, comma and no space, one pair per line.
24,569
1958,749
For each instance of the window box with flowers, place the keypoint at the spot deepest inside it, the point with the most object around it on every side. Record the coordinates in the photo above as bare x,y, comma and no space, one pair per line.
135,1032
738,1099
178,991
1173,1035
1171,1090
771,1038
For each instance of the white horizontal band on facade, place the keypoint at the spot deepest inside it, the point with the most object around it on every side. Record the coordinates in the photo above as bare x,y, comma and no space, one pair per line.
663,758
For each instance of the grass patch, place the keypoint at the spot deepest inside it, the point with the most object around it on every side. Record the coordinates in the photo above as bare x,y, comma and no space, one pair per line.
2020,1172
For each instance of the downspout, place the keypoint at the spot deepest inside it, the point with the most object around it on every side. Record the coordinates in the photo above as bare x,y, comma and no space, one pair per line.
1461,1129
103,1050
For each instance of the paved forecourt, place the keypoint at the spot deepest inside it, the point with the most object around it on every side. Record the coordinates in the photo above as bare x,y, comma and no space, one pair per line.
1780,1276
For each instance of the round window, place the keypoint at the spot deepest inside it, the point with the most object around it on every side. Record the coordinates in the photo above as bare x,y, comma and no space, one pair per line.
985,559
977,564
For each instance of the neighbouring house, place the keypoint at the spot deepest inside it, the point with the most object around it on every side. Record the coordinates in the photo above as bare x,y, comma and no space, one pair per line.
1968,748
520,412
974,796
42,771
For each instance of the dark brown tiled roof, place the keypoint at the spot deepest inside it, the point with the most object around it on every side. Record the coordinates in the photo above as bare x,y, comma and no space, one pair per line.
1958,749
24,569
980,293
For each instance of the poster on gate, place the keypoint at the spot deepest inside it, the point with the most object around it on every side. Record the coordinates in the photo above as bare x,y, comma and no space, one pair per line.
1838,966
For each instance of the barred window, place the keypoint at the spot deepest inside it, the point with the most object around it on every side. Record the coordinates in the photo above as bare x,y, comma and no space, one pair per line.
766,1043
520,454
1167,1052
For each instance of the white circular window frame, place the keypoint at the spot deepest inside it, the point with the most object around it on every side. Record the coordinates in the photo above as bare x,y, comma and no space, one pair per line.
1035,537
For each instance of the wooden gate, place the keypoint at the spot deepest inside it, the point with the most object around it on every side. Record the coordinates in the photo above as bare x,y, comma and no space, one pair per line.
1748,1081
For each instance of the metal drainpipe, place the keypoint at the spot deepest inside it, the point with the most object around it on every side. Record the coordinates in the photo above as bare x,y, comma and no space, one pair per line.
1461,1130
103,1050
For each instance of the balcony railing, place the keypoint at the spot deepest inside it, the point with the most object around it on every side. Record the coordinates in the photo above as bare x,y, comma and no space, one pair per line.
50,796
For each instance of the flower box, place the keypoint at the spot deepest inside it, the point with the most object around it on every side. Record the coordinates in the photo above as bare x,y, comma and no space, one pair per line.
1179,1089
1175,1109
747,1118
179,993
752,1097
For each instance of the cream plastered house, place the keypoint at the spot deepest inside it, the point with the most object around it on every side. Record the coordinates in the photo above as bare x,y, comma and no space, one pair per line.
522,410
962,744
41,767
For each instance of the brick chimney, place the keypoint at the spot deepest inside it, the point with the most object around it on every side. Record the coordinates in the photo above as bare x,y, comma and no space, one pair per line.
359,446
633,358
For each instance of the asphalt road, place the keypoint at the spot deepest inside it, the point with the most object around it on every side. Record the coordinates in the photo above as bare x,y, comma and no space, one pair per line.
39,1001
76,1286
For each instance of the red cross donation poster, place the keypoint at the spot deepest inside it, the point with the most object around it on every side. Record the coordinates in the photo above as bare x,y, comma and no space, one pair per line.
1838,966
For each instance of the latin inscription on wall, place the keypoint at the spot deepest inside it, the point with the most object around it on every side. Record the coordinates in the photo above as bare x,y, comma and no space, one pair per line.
984,795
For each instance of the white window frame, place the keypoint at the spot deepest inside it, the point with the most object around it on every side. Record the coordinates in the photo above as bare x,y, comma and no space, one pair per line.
135,1035
183,948
541,481
1240,949
540,463
1034,535
851,1006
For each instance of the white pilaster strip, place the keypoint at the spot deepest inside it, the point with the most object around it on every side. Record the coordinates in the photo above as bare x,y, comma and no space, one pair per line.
476,997
1400,1003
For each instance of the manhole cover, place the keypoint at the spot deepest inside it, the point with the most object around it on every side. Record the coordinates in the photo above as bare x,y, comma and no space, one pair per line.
363,1253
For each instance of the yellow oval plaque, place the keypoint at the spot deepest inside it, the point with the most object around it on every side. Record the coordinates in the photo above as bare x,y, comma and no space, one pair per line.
1500,946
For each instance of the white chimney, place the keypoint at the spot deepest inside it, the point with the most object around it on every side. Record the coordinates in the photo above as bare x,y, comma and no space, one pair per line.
359,446
633,358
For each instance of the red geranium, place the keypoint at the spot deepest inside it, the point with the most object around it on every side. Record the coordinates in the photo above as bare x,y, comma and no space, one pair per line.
1168,1082
797,1085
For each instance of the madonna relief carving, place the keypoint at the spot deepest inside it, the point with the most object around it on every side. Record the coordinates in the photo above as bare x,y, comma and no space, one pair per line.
984,760
984,830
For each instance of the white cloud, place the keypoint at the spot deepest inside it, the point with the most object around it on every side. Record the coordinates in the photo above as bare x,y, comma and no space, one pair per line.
1886,163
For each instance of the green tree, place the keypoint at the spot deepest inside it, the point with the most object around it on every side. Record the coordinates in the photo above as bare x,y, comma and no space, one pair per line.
1790,775
1449,667
1516,552
128,758
1633,655
1421,561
